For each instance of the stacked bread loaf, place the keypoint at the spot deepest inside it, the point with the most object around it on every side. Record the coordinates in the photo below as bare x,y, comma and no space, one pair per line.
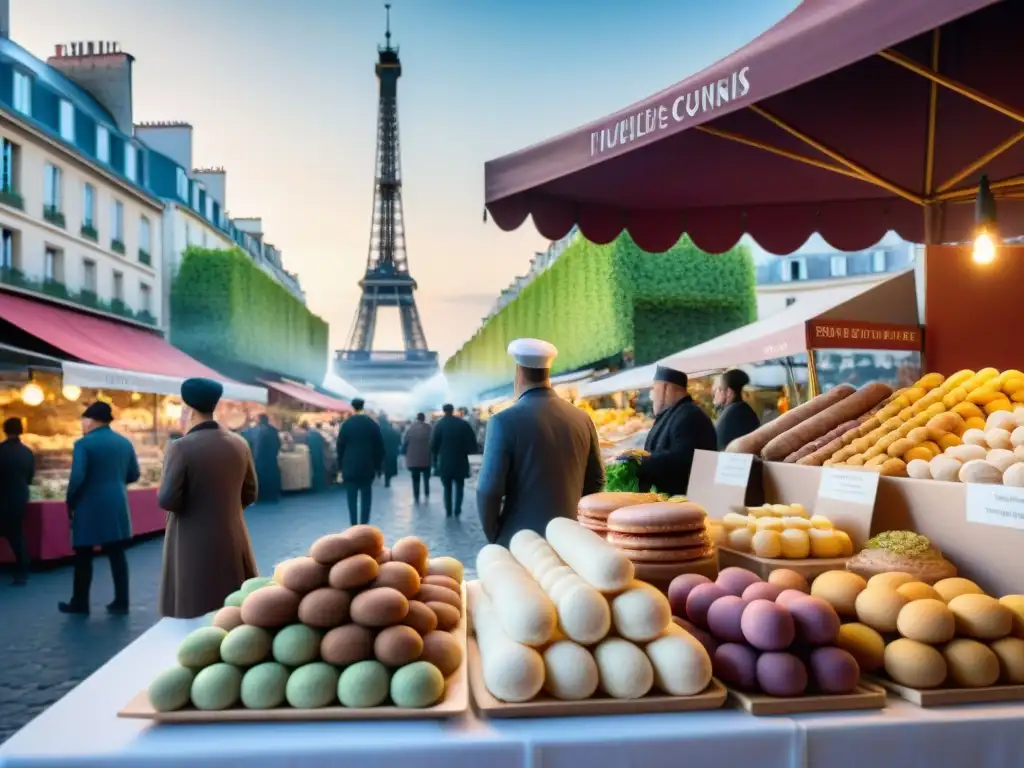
566,616
593,510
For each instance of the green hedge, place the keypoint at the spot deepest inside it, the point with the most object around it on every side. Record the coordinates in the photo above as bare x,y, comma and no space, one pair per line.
597,301
225,308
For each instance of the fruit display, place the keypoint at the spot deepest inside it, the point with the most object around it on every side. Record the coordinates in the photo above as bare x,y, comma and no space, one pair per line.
785,531
565,616
353,623
949,634
773,637
616,424
905,552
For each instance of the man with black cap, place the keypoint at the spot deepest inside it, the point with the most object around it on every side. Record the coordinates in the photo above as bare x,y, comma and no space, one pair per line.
208,481
735,416
17,468
103,463
541,455
680,428
360,459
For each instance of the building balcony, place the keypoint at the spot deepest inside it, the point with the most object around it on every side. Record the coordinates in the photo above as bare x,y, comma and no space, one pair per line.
12,198
117,246
55,289
88,231
145,257
54,215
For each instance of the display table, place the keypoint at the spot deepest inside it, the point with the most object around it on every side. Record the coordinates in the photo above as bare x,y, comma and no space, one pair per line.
901,735
48,536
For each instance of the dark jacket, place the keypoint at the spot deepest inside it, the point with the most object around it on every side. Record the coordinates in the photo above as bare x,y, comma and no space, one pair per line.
677,432
17,468
102,464
540,457
392,447
360,449
451,443
266,447
416,446
317,458
207,483
736,420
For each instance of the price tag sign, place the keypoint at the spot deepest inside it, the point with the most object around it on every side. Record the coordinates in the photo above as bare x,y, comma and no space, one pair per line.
995,505
733,469
852,487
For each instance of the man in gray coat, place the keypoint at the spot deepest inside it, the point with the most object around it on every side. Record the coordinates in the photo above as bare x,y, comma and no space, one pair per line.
541,455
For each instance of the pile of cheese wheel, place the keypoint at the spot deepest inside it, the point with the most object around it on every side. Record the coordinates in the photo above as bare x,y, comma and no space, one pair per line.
949,634
767,637
564,615
354,623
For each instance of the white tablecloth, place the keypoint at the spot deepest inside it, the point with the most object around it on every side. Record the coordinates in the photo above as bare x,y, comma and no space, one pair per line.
82,729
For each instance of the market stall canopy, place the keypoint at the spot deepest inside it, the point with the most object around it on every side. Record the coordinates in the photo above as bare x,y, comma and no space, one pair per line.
309,396
848,117
627,380
114,355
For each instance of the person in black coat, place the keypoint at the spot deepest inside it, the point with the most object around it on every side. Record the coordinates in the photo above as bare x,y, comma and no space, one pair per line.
680,428
317,457
266,445
735,416
392,447
360,459
451,443
17,468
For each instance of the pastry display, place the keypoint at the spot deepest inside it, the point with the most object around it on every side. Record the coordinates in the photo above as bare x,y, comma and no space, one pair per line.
902,552
563,615
785,531
336,627
766,639
946,635
593,510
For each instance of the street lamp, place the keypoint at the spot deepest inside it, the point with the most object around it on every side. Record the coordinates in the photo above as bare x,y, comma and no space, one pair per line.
985,236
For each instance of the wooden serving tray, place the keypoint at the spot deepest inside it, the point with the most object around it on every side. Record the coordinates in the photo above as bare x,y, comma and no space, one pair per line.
866,696
713,697
945,697
808,567
454,704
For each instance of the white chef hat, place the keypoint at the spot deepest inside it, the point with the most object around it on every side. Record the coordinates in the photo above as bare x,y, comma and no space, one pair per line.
533,353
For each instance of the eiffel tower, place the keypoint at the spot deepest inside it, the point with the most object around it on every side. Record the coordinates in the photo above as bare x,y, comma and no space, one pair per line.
387,283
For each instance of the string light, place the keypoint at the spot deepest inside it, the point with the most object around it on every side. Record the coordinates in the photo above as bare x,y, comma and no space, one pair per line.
32,395
71,392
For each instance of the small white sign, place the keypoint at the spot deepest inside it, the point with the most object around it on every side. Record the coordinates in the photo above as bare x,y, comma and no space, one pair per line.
995,505
733,469
851,486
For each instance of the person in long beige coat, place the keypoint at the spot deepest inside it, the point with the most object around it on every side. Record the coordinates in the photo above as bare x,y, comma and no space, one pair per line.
208,481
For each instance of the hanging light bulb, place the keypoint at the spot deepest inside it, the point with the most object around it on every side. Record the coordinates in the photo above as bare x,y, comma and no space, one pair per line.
71,392
32,394
136,397
986,238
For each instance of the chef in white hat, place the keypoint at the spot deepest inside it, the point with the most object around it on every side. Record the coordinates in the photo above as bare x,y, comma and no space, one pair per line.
541,455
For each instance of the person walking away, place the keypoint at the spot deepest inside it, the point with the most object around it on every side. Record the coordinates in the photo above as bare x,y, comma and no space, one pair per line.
680,427
360,459
208,480
103,464
317,458
541,455
392,445
17,468
735,416
416,448
266,448
450,446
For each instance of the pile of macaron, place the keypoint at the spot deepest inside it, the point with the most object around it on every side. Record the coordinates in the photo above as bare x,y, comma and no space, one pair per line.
770,637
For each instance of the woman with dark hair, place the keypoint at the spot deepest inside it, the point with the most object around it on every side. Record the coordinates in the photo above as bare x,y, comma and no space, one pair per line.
735,416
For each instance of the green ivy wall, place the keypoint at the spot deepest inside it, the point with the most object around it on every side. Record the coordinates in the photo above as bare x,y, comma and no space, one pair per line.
597,301
225,308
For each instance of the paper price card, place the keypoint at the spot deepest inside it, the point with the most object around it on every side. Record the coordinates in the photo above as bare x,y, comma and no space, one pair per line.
733,469
1000,505
851,486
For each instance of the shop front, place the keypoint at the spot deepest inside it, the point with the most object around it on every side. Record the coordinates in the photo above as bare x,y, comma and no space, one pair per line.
54,360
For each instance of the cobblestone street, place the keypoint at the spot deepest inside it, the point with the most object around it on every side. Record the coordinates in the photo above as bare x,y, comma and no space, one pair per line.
45,653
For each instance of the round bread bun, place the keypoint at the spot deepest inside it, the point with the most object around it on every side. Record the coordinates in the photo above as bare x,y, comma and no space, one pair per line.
600,505
658,518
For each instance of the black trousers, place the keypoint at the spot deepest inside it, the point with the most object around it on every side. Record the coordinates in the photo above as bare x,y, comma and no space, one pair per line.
454,488
14,532
118,572
360,498
418,473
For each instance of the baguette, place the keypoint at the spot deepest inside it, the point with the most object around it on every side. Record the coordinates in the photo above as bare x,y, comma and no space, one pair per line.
847,409
525,612
828,449
816,445
760,437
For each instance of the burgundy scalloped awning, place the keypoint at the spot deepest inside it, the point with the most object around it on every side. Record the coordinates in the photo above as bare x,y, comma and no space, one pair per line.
837,71
309,396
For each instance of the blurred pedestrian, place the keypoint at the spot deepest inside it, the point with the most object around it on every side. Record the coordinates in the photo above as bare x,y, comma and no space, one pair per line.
451,444
392,446
417,455
208,481
266,448
317,457
17,468
735,416
360,459
103,464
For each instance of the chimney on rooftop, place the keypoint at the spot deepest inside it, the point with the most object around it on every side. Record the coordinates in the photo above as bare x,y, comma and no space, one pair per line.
101,69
